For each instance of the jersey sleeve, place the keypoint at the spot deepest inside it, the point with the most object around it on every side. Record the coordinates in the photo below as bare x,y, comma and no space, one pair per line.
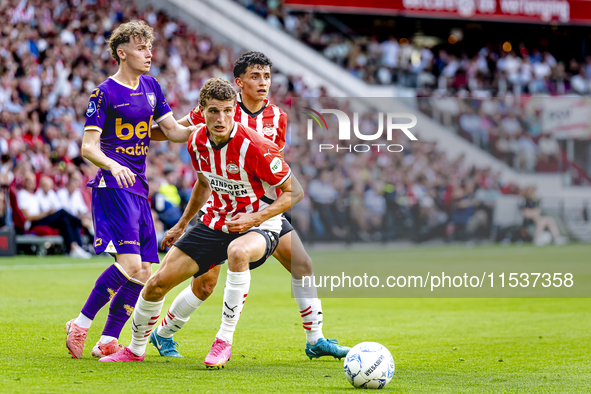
195,117
162,109
192,148
281,131
96,113
268,165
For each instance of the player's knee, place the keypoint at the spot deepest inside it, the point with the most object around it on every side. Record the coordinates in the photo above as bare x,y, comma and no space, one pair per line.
131,265
144,273
238,252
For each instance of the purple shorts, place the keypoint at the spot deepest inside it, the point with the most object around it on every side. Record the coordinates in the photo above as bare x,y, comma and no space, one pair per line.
123,224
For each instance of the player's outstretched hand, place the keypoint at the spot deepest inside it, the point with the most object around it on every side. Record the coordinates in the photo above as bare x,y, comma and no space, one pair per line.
171,236
241,222
123,175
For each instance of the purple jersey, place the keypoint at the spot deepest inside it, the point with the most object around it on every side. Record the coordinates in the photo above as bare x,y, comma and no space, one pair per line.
123,114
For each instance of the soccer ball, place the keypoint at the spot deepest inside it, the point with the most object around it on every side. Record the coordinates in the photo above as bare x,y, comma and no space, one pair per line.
369,365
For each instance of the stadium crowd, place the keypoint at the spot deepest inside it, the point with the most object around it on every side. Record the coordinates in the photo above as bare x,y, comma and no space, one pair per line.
53,55
419,193
52,58
402,60
503,128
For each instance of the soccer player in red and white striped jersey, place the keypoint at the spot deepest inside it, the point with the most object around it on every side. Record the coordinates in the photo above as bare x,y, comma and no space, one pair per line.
253,75
240,174
241,224
253,108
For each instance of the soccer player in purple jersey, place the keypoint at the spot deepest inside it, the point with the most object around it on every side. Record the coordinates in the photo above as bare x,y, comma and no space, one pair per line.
120,114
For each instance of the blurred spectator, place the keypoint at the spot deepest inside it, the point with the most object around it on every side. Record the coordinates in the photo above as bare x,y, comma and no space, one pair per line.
471,124
462,211
165,201
6,175
70,197
47,197
549,153
532,216
68,225
5,212
324,196
490,72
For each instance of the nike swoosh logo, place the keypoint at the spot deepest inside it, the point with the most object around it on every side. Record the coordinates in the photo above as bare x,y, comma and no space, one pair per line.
158,345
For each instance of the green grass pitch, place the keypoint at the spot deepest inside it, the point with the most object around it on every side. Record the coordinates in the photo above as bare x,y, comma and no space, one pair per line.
439,345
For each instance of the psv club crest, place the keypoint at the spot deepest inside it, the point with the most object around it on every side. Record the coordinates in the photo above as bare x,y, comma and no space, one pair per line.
232,168
151,99
268,130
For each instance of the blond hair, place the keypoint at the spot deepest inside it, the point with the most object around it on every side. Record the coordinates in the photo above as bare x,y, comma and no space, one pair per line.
122,35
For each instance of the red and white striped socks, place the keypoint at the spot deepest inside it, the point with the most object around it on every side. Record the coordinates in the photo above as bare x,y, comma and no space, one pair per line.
235,292
179,313
310,310
145,317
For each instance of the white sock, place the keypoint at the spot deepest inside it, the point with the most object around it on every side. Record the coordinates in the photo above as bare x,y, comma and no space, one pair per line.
106,339
179,313
311,312
237,285
83,321
145,317
310,307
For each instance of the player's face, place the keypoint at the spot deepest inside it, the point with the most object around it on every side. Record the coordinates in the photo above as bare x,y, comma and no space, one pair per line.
219,118
255,82
137,55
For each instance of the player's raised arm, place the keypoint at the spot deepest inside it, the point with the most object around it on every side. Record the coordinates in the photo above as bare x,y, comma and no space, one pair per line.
175,131
199,196
158,134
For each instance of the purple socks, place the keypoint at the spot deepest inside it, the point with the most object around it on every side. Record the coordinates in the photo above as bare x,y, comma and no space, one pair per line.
121,309
106,286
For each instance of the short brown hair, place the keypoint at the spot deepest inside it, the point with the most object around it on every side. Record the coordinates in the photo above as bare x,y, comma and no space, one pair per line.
217,88
122,35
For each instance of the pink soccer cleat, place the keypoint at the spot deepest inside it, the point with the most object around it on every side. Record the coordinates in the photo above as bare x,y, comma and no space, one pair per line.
75,338
101,350
219,355
122,356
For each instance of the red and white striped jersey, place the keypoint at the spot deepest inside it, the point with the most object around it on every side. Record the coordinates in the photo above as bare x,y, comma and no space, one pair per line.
239,172
270,121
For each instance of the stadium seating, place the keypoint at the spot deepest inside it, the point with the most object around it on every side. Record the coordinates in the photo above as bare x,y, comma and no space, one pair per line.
39,238
42,108
411,63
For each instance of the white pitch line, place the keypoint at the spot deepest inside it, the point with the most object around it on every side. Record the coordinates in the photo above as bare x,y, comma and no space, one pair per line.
24,267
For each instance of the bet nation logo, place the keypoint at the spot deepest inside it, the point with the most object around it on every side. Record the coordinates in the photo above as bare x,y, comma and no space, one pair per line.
345,130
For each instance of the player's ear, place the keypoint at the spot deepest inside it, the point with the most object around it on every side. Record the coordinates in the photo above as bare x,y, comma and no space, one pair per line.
239,83
121,53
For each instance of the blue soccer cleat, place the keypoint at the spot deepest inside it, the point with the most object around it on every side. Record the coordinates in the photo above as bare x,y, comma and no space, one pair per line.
166,346
326,347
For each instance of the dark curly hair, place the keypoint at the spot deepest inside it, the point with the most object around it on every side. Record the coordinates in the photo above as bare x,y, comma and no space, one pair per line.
252,58
137,29
217,88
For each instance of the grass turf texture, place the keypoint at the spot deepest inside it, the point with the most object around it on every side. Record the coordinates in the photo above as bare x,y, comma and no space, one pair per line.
439,345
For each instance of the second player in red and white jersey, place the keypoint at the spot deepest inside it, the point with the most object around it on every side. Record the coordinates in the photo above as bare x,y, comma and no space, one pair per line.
242,173
270,121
